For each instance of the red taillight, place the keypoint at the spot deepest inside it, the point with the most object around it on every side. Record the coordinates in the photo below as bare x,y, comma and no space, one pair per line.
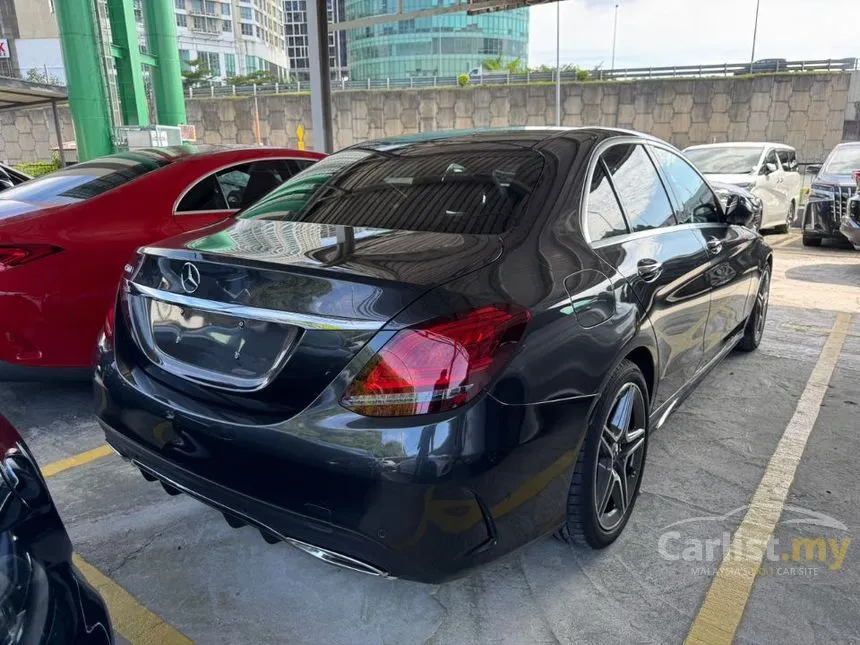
13,256
438,366
857,178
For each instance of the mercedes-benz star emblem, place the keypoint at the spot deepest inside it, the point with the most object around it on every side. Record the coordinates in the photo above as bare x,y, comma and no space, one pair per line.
190,278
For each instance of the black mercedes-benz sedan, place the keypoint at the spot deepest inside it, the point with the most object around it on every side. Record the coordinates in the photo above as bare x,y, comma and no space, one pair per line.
422,353
44,600
827,209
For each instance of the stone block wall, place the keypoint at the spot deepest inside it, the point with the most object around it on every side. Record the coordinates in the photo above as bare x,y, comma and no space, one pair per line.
812,112
806,111
29,135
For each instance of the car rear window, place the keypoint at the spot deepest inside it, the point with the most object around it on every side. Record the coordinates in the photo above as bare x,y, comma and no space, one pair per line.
85,180
446,189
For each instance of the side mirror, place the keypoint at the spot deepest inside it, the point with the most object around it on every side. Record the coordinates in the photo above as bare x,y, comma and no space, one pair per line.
813,169
739,211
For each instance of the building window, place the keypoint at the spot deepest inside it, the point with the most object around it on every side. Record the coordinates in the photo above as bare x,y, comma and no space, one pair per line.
229,65
179,4
196,6
184,57
199,23
247,30
181,20
246,13
226,9
211,8
227,26
212,62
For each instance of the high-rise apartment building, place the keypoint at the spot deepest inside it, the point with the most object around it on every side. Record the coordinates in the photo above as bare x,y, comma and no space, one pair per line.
30,39
296,30
233,37
443,45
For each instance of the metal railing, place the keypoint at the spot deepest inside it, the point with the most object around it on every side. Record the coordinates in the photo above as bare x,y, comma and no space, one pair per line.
505,78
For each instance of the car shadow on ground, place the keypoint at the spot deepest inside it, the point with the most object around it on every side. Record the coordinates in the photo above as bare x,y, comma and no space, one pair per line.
827,274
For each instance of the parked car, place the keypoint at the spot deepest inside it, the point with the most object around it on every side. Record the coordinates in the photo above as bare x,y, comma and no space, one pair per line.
765,66
768,170
424,352
65,237
850,226
9,177
44,600
827,208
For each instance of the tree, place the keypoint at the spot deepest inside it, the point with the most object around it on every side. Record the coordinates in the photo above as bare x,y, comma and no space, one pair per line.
260,77
196,73
36,75
498,65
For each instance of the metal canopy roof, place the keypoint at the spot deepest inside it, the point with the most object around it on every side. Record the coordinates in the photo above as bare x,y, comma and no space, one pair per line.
15,93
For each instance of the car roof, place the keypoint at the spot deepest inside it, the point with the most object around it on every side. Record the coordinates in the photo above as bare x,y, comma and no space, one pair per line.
171,154
742,144
525,136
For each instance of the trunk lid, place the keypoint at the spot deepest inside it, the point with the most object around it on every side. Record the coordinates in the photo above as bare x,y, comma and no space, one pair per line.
269,312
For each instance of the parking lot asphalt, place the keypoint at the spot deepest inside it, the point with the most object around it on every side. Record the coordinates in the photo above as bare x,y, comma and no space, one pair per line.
172,559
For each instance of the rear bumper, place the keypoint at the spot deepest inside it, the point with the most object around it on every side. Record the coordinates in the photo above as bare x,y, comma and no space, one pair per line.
424,503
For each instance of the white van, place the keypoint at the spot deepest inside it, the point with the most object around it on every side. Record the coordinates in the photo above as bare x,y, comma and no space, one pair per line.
768,170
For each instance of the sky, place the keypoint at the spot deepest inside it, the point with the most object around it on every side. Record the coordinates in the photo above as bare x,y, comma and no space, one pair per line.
688,32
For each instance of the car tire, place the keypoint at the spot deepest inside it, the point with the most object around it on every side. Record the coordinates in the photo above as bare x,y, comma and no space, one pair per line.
599,503
811,241
789,218
754,329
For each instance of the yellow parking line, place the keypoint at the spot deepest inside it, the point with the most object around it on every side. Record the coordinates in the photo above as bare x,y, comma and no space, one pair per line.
721,612
77,460
134,622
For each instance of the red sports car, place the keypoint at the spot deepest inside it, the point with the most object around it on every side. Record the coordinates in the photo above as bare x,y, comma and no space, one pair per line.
65,237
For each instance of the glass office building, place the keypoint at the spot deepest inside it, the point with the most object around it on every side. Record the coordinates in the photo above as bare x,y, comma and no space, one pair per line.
444,45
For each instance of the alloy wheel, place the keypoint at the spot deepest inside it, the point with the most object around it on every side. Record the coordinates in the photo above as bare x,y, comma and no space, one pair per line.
789,218
620,457
762,301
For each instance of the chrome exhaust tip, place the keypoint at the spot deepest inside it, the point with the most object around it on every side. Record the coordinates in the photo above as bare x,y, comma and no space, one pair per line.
337,559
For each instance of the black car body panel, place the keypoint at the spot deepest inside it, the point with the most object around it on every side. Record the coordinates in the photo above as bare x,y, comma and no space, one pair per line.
41,588
425,496
851,224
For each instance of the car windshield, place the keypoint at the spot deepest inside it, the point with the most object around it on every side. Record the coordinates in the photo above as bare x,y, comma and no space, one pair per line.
725,161
84,180
446,189
843,161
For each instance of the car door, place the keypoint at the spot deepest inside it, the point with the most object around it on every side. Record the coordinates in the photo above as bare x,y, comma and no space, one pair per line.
224,192
663,263
791,178
731,264
769,186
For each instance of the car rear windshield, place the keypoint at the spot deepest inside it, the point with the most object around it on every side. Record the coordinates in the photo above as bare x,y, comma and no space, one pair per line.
448,190
85,180
843,161
725,161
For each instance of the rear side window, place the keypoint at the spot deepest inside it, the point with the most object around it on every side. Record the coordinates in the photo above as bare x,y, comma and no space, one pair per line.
639,187
604,218
239,186
446,189
85,180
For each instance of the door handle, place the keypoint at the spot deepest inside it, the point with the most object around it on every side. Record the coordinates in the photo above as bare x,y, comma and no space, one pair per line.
715,246
649,270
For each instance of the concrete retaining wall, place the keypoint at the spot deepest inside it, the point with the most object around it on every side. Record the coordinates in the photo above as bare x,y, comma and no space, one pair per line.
811,112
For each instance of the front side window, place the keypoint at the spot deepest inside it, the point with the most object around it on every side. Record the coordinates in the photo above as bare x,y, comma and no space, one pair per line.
788,158
604,217
85,180
639,187
453,190
697,201
771,158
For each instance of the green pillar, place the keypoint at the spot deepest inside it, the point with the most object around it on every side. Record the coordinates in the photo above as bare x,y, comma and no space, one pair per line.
167,77
129,75
88,101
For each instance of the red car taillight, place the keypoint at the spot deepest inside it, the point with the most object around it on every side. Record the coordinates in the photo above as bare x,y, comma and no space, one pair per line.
438,366
13,256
